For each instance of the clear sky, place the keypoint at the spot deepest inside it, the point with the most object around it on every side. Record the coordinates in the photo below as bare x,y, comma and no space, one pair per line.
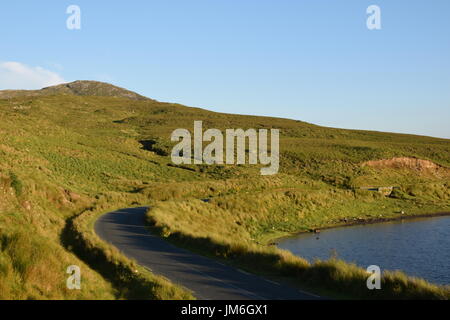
312,60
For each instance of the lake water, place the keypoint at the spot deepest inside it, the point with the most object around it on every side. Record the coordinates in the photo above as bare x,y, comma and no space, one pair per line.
419,247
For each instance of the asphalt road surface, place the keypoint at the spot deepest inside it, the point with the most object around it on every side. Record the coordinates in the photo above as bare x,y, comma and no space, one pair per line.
206,278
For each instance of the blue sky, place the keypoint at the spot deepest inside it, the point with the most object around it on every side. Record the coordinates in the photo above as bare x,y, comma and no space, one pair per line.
312,60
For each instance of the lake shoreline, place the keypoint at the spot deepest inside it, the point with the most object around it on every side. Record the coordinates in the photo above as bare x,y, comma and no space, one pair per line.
358,222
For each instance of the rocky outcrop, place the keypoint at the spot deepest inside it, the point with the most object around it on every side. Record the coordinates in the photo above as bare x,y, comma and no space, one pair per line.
418,165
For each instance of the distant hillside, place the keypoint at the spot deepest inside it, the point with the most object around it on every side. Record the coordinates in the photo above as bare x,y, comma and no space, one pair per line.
78,88
89,147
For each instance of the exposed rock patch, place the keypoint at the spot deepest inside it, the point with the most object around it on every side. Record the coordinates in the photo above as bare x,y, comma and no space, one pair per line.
419,165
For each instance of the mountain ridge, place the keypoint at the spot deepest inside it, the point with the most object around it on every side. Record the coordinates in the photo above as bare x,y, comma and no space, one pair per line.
77,88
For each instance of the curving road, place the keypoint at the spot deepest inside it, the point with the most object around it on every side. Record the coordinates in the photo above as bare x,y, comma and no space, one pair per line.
206,278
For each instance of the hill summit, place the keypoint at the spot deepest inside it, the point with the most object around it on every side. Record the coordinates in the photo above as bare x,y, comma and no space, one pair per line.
78,88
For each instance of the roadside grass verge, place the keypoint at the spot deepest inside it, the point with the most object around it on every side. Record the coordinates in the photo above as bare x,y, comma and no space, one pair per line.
59,153
130,280
332,278
33,268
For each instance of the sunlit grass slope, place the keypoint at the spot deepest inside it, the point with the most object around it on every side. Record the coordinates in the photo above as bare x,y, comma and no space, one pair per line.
92,147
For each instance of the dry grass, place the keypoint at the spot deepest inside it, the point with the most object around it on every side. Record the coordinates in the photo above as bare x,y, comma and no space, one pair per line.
230,234
130,280
65,154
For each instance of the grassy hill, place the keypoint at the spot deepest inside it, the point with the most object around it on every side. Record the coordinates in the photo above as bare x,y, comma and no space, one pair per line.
78,88
70,152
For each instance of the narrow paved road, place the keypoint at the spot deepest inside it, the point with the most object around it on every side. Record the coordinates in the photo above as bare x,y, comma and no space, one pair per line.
206,278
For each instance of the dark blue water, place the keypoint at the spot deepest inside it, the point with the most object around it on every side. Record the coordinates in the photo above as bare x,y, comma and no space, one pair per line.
419,247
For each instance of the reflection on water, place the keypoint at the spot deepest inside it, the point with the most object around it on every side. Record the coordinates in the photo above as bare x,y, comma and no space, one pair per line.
419,247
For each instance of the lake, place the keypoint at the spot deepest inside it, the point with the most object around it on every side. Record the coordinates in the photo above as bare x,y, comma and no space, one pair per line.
419,247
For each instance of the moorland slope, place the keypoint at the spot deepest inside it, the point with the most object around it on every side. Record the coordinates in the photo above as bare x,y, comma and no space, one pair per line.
71,152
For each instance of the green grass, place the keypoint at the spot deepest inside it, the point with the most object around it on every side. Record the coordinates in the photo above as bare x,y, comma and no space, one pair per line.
62,154
131,280
219,234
